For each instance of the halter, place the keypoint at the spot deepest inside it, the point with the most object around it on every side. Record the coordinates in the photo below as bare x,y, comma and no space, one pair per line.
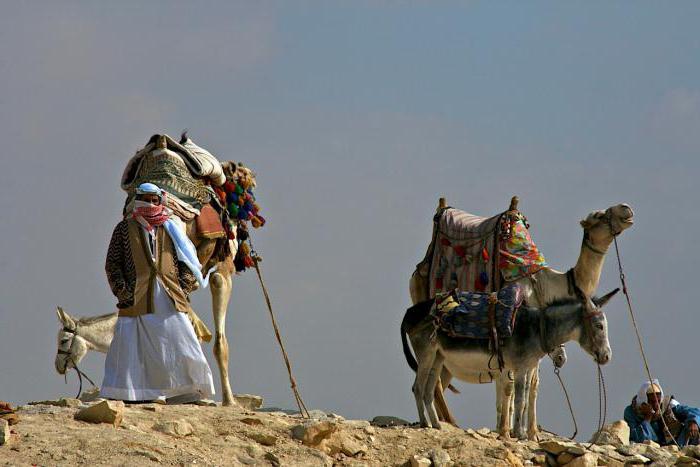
75,365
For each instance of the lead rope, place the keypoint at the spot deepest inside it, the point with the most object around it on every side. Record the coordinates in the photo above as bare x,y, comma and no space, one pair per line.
636,330
300,403
568,401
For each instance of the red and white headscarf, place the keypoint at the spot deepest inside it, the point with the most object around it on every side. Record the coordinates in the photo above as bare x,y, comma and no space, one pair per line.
147,214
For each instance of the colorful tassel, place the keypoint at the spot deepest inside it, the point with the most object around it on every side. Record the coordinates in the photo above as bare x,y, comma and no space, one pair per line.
485,255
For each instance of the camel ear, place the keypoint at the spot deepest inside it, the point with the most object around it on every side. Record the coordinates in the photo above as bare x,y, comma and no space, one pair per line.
592,219
602,301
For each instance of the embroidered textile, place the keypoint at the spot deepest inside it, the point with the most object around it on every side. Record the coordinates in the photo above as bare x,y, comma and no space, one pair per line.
518,254
466,314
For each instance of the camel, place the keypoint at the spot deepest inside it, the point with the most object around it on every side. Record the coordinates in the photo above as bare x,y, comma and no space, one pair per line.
536,330
215,254
541,289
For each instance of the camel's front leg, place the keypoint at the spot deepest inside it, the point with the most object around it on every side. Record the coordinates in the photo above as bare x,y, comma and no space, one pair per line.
532,428
221,285
522,386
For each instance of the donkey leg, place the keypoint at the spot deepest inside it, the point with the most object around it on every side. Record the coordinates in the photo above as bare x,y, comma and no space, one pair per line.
532,428
522,383
431,385
425,362
221,286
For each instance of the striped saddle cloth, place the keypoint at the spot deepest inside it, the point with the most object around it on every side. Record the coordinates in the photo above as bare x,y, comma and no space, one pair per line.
478,315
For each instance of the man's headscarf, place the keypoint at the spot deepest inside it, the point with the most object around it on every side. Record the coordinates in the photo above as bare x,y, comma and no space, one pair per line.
147,214
649,387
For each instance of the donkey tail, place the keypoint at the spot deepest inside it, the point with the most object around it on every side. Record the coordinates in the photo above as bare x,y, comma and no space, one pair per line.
414,316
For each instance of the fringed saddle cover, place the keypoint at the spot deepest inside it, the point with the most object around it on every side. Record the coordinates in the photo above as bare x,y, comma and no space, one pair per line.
466,314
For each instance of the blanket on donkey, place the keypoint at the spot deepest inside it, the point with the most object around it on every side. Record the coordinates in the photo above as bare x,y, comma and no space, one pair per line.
466,314
476,253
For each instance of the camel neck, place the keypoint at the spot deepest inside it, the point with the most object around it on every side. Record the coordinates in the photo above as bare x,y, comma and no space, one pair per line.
589,266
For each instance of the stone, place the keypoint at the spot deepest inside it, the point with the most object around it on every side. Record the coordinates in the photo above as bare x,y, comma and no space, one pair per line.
91,395
272,459
513,460
555,447
152,407
207,403
451,443
609,461
342,442
419,461
590,459
110,412
357,423
251,421
264,438
484,431
654,452
616,434
565,457
687,460
5,432
387,421
629,450
179,428
690,451
313,433
577,450
11,418
62,402
539,459
637,459
146,454
440,458
249,401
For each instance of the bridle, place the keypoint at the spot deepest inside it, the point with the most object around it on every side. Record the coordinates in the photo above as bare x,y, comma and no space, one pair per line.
69,357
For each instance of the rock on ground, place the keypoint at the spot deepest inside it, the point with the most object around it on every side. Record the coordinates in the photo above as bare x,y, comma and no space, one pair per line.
110,412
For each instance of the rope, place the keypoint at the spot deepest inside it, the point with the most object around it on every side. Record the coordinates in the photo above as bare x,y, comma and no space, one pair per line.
568,401
636,329
300,403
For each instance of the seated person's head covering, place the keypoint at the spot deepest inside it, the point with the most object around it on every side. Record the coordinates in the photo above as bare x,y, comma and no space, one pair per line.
649,387
147,214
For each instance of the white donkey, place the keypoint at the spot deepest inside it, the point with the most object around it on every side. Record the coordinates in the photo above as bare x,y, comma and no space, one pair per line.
536,332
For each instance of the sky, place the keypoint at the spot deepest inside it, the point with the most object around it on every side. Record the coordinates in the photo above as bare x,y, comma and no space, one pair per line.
357,117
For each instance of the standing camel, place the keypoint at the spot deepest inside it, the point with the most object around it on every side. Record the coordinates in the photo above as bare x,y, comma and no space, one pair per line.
163,157
541,289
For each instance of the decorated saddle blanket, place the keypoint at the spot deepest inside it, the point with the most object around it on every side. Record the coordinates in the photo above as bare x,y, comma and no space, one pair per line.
473,253
473,314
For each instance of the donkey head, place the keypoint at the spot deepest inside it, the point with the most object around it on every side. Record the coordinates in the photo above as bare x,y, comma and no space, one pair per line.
594,336
71,347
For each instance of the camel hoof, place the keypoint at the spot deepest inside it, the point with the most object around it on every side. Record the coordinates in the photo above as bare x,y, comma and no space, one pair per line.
437,426
533,435
424,425
504,435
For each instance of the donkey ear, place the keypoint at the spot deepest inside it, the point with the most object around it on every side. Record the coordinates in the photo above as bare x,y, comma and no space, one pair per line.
602,301
64,317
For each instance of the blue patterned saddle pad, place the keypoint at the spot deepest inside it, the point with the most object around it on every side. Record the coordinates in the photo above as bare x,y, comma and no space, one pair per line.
466,314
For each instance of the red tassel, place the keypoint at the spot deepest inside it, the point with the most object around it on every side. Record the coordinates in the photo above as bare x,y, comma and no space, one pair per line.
445,242
460,251
438,283
485,254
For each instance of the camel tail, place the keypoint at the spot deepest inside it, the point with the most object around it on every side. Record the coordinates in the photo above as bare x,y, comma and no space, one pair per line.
413,317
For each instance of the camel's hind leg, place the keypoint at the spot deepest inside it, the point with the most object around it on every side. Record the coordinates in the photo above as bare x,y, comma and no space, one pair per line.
532,429
431,385
443,410
221,285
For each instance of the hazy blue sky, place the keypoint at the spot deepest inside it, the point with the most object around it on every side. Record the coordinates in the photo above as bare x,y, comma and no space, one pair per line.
357,116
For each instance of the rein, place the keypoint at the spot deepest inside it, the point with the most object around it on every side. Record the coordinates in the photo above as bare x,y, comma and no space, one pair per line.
79,372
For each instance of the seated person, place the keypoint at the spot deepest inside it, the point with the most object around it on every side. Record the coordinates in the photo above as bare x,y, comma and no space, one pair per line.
651,416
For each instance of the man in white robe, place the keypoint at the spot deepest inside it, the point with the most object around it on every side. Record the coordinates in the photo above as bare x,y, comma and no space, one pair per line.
152,267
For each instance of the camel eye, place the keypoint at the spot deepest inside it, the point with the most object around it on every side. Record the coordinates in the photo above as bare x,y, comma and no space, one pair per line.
599,326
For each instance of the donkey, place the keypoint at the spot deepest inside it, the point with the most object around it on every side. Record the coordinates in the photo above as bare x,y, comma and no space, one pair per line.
536,333
78,336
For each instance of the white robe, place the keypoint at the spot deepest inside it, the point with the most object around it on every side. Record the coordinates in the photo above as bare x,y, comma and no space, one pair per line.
156,355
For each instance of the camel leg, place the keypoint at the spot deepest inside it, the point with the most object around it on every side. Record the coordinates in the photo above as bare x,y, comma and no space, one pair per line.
504,386
522,386
443,410
430,386
221,286
532,428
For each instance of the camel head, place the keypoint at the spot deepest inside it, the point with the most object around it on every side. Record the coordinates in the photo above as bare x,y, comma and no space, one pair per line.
600,227
71,347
